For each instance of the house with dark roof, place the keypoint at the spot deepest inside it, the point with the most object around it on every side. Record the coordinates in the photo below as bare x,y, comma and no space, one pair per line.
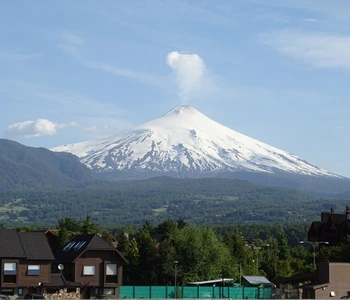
91,263
25,262
332,227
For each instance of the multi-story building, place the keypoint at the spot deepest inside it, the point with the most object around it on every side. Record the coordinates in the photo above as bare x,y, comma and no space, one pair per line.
87,266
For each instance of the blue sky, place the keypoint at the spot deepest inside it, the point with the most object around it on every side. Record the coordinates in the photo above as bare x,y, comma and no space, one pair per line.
277,71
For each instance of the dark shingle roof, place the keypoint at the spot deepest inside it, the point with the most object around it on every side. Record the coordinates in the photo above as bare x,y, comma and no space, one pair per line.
25,245
36,246
79,244
10,244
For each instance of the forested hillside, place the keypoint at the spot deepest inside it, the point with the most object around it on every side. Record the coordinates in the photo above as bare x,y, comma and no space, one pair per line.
23,167
197,201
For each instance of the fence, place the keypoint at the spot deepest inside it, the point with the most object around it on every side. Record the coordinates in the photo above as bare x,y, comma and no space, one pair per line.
194,292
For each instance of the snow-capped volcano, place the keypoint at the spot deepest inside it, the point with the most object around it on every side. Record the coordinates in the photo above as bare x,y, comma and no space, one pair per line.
186,141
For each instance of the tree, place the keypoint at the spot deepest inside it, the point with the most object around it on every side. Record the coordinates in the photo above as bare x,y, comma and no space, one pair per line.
284,248
201,255
88,227
147,251
241,252
70,224
63,237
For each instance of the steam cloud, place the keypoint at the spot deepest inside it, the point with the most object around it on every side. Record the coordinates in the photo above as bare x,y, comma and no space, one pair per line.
190,70
37,128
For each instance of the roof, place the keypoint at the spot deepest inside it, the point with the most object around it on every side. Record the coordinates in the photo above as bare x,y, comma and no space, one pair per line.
25,245
11,246
256,279
81,243
315,286
212,281
299,278
36,245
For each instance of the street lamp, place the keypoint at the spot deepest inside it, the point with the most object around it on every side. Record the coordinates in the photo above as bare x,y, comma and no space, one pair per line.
313,244
175,264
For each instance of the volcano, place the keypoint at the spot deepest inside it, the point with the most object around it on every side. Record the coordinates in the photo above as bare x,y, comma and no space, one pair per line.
185,142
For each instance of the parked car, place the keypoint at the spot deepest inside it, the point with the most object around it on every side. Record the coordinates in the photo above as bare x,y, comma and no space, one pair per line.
4,297
34,296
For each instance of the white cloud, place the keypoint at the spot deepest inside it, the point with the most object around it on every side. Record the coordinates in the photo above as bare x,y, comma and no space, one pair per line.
312,20
18,56
317,49
190,71
37,128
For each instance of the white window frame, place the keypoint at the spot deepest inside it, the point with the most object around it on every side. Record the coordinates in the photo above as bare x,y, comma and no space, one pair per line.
110,269
88,270
10,268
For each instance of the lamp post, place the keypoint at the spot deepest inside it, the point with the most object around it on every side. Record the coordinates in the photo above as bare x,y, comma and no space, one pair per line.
313,244
175,270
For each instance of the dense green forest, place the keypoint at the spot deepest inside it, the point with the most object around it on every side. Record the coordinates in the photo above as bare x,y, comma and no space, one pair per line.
197,201
206,252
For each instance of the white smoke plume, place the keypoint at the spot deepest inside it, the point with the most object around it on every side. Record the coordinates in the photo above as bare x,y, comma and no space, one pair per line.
190,70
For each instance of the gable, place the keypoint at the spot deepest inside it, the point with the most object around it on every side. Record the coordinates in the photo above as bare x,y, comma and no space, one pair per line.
81,243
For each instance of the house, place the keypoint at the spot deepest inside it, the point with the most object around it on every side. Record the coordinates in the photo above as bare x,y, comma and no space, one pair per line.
25,262
91,263
331,280
332,227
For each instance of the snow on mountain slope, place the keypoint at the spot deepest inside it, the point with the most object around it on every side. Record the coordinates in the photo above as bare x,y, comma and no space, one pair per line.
185,140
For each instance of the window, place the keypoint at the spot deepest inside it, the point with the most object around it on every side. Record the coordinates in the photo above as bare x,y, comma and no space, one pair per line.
89,270
10,268
10,272
111,273
33,270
